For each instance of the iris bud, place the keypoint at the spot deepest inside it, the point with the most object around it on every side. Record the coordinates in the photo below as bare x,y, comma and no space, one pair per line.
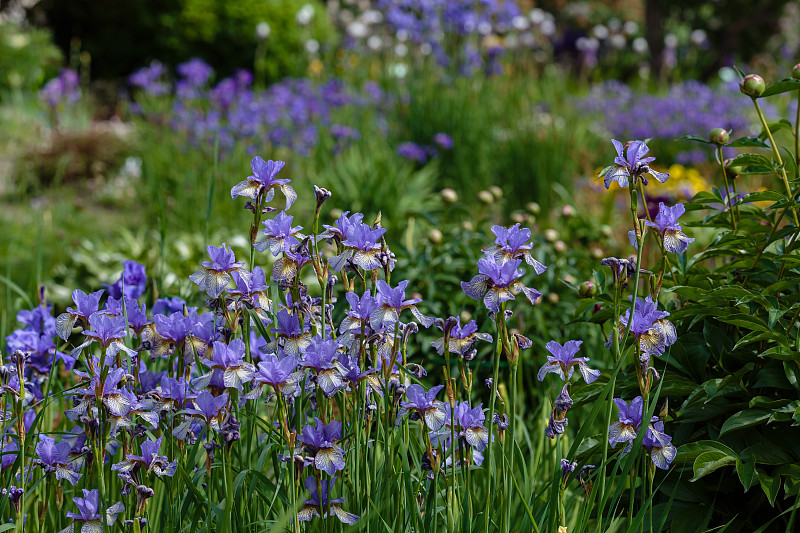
587,289
719,136
753,85
796,72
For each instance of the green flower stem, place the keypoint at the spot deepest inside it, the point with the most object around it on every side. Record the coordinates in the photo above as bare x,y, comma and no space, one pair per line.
21,437
499,321
609,405
777,153
797,134
727,186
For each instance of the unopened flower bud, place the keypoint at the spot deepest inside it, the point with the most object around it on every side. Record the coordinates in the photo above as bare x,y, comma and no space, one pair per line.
519,217
753,85
587,289
336,212
467,225
496,191
567,211
560,247
533,207
466,316
597,252
449,195
719,136
732,171
262,31
435,236
553,298
796,72
321,195
550,235
485,197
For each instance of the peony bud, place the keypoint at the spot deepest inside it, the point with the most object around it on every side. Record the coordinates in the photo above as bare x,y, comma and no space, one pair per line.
719,136
753,85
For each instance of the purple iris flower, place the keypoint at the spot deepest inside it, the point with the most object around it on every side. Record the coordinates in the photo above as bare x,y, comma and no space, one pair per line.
666,223
628,423
351,372
653,332
658,445
321,356
8,454
39,319
358,314
391,302
150,461
174,393
513,243
279,373
264,181
277,231
215,276
195,72
320,503
558,416
443,140
109,332
167,306
563,360
632,167
209,408
472,421
229,364
461,339
342,226
55,458
494,282
133,281
429,408
89,512
252,289
168,333
86,305
289,335
362,245
137,313
293,260
320,442
413,152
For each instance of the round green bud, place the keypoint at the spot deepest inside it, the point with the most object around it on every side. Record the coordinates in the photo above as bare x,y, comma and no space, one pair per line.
560,247
553,298
496,191
550,235
467,225
534,208
435,236
753,85
486,197
719,136
587,289
796,72
449,195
